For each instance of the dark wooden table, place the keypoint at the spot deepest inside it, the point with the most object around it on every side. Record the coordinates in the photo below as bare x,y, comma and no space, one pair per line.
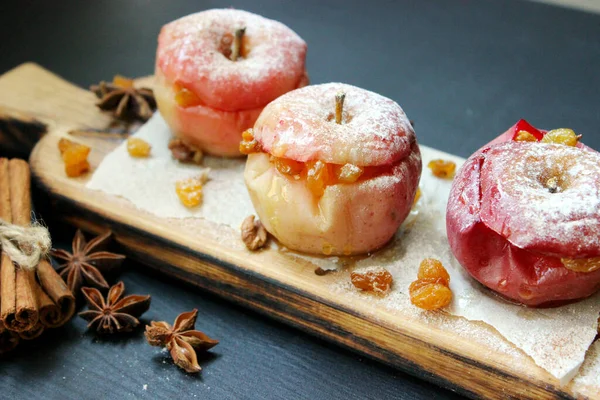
464,70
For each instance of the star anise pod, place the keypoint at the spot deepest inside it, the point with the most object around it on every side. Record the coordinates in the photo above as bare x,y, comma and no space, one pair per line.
86,262
125,100
117,313
181,340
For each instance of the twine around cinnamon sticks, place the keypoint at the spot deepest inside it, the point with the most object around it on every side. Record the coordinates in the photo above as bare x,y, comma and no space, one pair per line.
31,299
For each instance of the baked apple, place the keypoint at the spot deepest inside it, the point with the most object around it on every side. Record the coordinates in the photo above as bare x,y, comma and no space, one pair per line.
523,216
217,69
332,176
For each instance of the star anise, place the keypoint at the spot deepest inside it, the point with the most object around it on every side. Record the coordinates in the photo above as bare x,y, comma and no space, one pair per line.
124,99
86,262
181,340
117,313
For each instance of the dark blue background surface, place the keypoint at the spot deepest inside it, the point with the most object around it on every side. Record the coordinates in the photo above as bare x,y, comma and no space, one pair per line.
463,70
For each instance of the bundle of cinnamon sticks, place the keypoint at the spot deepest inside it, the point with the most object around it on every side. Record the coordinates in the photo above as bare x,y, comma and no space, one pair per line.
31,300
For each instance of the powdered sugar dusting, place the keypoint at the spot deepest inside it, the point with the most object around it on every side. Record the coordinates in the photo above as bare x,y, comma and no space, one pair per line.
190,50
556,339
300,125
517,203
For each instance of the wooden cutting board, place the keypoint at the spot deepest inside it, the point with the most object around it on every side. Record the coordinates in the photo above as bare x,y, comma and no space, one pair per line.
267,281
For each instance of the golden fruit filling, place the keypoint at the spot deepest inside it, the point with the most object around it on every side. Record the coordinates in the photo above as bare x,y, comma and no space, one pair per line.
318,174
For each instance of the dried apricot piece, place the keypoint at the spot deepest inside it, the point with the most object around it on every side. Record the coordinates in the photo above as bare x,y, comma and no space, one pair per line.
249,145
287,166
189,191
137,147
429,296
431,268
372,279
442,168
561,136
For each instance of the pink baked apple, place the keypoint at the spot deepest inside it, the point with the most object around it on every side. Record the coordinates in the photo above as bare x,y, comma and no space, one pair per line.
523,218
207,98
332,187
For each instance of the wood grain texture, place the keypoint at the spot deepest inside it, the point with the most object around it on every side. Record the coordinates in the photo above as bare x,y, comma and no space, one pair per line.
292,293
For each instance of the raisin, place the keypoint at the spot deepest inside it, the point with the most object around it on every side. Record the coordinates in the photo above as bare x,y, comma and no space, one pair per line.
561,136
348,173
122,82
377,280
431,268
186,98
428,295
317,177
524,136
189,191
137,147
74,156
287,166
249,145
581,264
442,169
417,197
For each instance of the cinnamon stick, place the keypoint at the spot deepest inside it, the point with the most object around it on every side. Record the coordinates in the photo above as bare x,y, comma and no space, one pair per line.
33,332
22,315
7,268
57,291
50,315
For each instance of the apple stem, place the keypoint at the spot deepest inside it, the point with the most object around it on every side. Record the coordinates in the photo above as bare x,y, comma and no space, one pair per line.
237,43
552,185
339,106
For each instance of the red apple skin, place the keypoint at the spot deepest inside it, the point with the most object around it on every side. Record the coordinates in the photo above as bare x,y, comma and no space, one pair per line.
528,277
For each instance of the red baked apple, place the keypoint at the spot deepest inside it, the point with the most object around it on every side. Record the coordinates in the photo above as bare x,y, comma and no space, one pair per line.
523,217
207,96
